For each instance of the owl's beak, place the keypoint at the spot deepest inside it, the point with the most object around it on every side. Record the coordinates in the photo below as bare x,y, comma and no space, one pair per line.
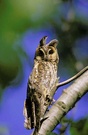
46,59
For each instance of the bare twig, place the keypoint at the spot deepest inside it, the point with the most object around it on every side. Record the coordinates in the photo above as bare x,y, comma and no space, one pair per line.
72,78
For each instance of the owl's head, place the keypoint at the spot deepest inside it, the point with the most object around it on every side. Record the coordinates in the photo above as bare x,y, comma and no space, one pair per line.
47,52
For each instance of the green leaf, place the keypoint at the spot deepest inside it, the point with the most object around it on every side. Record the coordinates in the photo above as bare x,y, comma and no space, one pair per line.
80,127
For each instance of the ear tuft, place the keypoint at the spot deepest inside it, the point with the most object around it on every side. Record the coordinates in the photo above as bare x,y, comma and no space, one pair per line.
43,41
53,43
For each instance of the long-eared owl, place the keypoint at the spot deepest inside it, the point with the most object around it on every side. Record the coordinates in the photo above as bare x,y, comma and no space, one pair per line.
40,82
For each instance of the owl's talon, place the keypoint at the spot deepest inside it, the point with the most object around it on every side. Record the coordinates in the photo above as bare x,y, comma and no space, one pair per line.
53,101
43,119
48,98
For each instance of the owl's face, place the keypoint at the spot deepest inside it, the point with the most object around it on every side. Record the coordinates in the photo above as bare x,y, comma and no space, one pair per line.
47,52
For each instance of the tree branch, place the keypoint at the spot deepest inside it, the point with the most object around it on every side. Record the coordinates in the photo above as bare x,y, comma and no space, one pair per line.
65,103
72,78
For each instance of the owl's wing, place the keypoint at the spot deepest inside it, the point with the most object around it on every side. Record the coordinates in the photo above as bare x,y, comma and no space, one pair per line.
29,112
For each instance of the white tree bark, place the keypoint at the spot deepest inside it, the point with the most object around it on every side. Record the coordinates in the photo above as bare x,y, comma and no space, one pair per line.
65,103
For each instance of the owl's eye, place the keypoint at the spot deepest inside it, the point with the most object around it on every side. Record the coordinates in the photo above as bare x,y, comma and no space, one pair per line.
51,51
41,53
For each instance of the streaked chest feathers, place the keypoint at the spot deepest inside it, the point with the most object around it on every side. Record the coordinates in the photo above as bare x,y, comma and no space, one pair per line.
40,83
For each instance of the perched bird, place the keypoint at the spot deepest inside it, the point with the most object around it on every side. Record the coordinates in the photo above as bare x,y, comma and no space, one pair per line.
40,82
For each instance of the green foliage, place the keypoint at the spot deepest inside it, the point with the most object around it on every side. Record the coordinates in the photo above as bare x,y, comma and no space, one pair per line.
52,133
80,127
19,15
9,64
15,18
3,130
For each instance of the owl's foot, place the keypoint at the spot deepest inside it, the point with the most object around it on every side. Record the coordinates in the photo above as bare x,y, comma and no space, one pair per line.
48,98
53,101
43,119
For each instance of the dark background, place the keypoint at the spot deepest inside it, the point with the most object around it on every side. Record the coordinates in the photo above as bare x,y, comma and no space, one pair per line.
22,25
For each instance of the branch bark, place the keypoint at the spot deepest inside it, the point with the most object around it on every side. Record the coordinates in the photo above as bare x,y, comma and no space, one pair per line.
65,103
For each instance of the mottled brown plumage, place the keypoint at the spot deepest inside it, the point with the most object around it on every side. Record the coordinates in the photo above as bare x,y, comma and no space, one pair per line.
40,82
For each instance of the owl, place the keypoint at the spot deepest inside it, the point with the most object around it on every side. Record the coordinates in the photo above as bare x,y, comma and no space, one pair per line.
40,83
